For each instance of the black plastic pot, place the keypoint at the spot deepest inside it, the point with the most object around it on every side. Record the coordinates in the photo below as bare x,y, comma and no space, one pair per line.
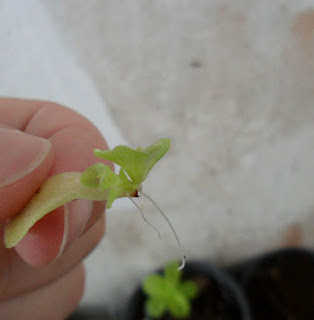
222,299
279,285
91,313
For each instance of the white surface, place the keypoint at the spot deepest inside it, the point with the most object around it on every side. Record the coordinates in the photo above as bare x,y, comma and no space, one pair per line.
35,63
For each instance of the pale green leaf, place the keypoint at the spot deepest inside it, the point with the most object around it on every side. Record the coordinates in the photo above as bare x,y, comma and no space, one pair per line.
189,289
137,163
110,180
154,285
91,176
172,274
179,306
155,307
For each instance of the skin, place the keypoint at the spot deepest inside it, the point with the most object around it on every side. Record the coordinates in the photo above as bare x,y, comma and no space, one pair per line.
37,279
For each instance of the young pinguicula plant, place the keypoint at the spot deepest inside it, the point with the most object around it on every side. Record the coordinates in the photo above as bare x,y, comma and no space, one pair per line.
168,293
98,182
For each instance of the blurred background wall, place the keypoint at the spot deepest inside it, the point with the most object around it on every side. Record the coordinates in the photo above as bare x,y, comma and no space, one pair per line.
232,84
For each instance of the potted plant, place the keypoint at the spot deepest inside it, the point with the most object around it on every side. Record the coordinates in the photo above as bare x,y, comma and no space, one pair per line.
199,291
279,284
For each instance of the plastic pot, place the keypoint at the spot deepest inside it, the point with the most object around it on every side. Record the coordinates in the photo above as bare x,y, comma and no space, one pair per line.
279,285
91,313
220,297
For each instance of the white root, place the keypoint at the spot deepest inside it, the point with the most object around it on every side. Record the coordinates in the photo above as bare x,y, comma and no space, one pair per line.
142,214
183,257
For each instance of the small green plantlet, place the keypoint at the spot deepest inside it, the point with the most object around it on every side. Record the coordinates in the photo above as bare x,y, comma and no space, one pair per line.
169,293
98,182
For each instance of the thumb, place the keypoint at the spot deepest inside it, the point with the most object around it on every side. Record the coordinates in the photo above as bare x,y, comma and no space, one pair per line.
25,162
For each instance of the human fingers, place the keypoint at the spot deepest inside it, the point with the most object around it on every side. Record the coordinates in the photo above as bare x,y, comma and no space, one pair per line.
52,302
25,162
73,138
17,278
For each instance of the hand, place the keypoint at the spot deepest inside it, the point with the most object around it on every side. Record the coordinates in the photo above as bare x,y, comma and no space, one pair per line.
43,276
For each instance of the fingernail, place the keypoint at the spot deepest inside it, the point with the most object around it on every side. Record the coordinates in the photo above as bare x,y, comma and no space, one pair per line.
20,154
76,217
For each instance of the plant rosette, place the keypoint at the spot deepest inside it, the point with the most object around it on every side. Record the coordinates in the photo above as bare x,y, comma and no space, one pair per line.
279,284
200,291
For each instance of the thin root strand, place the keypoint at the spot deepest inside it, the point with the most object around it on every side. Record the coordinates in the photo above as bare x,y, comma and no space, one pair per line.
183,258
143,216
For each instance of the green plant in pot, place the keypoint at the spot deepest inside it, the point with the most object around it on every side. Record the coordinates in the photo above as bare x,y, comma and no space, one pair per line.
200,291
169,293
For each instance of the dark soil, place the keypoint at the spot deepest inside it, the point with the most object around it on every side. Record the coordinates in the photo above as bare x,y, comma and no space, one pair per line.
282,287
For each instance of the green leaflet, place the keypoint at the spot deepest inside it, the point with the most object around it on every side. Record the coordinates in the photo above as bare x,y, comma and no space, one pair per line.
102,177
171,273
156,308
137,163
189,289
91,176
